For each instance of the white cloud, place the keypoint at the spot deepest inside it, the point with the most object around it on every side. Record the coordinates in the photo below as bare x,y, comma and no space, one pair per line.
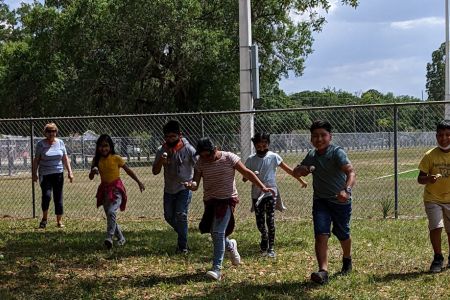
418,23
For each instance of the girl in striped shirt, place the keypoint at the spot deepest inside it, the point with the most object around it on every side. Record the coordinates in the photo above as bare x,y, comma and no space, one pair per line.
217,168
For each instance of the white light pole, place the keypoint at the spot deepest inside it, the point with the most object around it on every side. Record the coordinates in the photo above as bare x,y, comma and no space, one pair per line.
447,94
245,95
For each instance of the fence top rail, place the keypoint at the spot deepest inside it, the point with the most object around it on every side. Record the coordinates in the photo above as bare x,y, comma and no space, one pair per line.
309,108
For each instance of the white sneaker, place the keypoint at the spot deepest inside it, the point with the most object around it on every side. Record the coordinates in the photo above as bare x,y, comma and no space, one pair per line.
214,275
121,242
233,253
271,253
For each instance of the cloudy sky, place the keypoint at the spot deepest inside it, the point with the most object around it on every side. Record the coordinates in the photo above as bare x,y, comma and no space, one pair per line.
383,45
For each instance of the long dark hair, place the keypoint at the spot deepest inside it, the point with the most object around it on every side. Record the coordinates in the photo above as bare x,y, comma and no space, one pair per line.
101,139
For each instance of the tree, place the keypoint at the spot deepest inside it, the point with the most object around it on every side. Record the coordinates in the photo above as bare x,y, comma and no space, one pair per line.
119,56
436,75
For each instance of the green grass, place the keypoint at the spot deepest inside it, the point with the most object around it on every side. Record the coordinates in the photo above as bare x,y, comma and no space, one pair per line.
391,258
369,193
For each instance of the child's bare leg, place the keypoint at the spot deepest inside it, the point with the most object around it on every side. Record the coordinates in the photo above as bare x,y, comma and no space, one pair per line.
346,247
435,238
321,247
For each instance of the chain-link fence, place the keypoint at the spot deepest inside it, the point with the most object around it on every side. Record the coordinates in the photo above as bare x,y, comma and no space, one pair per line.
384,142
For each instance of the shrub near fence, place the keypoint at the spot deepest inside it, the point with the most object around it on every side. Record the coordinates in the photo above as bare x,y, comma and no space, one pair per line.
384,142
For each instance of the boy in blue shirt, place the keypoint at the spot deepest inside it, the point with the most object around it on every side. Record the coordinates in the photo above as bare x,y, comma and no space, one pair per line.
333,179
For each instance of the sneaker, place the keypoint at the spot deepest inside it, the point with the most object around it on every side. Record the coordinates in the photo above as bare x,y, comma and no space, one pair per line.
182,251
346,265
60,225
271,253
43,224
320,277
121,242
108,243
263,245
214,274
233,253
436,265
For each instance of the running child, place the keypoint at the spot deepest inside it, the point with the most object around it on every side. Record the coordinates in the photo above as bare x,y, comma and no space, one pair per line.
333,180
434,173
264,165
220,196
111,191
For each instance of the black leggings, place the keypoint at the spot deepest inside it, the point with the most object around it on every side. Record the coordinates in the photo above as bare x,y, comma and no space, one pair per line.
53,182
265,213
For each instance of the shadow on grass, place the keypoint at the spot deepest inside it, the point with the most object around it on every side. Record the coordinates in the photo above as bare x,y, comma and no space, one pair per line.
247,290
401,276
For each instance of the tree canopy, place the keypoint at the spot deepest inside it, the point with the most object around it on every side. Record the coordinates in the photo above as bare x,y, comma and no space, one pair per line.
78,57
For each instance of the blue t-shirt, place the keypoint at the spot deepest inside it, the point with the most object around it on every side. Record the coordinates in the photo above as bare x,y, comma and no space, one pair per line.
328,178
180,167
267,168
51,156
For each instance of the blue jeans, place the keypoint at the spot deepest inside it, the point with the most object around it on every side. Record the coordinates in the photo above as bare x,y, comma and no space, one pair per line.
176,214
111,208
326,212
220,241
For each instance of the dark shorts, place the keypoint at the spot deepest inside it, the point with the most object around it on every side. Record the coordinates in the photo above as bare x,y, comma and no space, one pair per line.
326,212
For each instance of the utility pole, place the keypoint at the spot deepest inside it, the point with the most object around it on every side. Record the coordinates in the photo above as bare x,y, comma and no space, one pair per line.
245,95
447,94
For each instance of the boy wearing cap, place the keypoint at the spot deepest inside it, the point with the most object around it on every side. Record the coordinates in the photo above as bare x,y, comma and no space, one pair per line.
217,168
177,156
333,179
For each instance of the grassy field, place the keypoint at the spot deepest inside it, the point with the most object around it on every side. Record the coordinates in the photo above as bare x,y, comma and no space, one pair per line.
391,259
373,193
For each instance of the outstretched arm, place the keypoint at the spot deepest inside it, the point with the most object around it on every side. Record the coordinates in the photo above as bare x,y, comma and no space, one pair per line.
133,175
290,171
247,173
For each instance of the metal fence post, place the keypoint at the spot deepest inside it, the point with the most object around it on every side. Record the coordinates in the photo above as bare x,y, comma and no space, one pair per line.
203,125
33,192
395,161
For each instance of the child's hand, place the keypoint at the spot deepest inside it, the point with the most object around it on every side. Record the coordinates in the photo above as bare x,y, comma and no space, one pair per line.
343,196
141,186
434,178
190,185
266,189
302,182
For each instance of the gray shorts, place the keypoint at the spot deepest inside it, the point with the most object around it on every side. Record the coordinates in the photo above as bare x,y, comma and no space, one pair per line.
438,215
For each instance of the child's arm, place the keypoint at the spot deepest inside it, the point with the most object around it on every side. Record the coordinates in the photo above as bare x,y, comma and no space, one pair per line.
157,165
247,173
93,172
197,178
133,175
424,178
344,195
290,171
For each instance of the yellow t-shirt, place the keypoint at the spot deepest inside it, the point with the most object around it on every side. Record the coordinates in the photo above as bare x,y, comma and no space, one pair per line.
109,167
435,161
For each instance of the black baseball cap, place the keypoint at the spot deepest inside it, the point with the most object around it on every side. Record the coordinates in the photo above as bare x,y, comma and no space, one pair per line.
204,144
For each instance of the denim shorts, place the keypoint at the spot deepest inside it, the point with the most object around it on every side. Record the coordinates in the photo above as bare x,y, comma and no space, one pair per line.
326,212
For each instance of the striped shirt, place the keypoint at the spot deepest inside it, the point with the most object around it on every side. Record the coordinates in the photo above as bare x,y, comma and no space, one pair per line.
218,176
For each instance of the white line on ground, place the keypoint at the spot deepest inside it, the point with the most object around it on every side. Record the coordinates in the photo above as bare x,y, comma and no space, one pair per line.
398,173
